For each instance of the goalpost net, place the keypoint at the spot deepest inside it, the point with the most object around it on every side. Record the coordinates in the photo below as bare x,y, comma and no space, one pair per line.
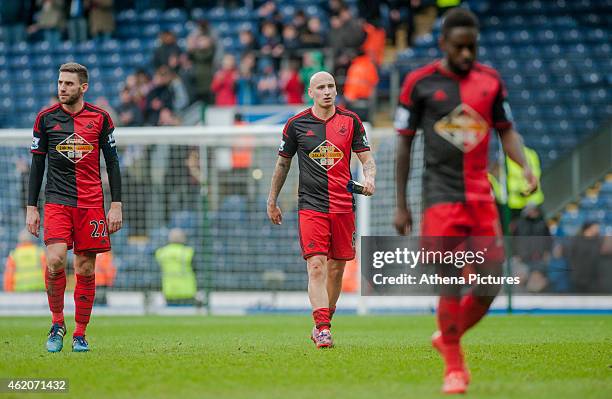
212,183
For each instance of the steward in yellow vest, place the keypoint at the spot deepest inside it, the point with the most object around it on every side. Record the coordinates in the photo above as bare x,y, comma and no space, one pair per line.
178,278
25,267
517,185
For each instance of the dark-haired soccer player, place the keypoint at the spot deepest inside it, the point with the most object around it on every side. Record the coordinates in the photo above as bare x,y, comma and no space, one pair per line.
456,101
72,134
323,136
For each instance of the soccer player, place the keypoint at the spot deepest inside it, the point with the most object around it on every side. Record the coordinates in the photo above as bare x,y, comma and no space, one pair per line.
72,134
323,136
456,101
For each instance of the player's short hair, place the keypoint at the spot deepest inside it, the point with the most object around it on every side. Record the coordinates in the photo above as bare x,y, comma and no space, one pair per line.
458,18
79,69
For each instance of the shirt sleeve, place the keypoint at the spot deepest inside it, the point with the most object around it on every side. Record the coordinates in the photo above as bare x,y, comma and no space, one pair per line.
40,140
288,145
360,139
410,108
502,115
109,150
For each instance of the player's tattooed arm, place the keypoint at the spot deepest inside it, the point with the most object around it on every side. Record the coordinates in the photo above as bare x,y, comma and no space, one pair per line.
278,180
369,171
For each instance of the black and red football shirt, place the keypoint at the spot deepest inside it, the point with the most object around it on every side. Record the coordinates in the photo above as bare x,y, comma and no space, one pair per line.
73,142
456,114
324,154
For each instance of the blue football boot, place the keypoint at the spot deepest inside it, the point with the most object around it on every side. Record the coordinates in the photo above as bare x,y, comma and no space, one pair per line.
79,344
55,341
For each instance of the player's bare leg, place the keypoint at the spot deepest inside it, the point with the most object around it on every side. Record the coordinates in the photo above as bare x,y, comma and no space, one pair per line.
84,294
55,281
319,300
335,271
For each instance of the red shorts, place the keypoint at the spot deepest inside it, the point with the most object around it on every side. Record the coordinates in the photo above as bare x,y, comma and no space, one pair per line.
329,234
84,229
466,219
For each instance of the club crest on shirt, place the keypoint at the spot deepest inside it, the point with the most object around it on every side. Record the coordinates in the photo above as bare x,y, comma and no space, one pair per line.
326,155
74,148
463,127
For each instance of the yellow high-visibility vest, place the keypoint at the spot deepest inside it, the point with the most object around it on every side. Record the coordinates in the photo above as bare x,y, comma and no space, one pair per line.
178,278
517,184
29,272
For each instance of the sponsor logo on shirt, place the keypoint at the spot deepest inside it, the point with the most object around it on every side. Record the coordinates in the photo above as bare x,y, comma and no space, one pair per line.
326,155
74,148
463,127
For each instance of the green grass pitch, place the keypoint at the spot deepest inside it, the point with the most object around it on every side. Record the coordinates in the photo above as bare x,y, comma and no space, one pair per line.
271,357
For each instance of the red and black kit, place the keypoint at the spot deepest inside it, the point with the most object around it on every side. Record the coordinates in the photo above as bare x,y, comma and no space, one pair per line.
72,142
324,151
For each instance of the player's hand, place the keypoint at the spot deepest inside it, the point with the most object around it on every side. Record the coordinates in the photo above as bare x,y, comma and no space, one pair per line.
532,181
32,220
275,214
114,217
369,187
403,221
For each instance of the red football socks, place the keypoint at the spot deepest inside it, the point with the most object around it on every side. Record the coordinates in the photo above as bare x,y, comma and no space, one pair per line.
55,282
322,318
84,294
472,310
332,310
449,325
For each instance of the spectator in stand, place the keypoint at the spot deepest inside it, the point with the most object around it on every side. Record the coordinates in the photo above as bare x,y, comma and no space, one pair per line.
270,43
291,40
346,37
533,246
203,28
129,114
101,18
246,86
347,32
167,51
160,96
247,41
360,85
224,82
312,62
589,256
268,89
142,85
180,97
299,21
313,36
50,20
201,52
292,86
77,24
186,74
